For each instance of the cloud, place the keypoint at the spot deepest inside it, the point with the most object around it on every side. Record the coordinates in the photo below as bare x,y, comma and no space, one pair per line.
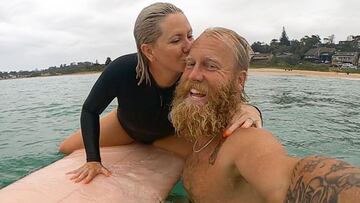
43,33
51,33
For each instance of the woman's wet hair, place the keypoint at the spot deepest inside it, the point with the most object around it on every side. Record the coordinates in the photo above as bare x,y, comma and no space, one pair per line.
147,30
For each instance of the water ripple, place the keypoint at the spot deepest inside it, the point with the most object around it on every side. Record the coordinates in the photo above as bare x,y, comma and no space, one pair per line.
308,115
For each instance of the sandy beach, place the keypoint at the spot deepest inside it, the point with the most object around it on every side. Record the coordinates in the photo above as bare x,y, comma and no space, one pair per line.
275,71
278,71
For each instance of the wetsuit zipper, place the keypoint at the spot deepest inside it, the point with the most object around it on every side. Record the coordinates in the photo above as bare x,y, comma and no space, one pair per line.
161,100
161,104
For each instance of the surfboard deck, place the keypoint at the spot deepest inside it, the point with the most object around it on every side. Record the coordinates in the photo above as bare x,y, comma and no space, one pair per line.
140,173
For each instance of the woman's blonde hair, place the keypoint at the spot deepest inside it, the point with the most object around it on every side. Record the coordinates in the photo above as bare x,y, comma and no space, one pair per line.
147,30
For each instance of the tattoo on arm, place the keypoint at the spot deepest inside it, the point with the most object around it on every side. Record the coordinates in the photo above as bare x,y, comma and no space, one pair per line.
321,179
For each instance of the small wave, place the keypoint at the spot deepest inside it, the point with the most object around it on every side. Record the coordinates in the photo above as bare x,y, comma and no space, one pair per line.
33,143
350,78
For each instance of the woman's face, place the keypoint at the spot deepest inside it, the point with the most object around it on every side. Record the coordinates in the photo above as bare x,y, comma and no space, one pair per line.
173,45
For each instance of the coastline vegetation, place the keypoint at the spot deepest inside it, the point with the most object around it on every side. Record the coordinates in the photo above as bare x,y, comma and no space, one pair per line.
285,54
295,54
63,69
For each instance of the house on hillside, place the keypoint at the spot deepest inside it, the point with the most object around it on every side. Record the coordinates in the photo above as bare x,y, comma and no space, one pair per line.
261,56
352,39
84,64
357,40
319,55
341,58
284,55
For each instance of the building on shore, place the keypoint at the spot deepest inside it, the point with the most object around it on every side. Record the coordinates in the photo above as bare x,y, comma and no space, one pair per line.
319,55
343,59
284,55
261,56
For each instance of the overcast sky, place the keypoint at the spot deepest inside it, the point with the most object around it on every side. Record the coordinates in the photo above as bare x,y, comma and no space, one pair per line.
37,34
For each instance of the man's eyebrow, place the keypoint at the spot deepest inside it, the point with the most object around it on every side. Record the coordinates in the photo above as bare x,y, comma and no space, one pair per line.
211,59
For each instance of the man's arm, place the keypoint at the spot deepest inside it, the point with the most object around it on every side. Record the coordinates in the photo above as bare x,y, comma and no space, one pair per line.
262,161
322,179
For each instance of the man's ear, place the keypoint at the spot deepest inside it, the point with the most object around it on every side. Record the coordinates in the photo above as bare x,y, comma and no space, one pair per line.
241,79
147,50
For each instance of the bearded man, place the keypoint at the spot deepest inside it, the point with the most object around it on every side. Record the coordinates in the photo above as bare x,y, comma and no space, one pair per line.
251,165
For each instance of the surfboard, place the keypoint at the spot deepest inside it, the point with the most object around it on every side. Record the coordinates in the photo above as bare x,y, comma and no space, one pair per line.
140,173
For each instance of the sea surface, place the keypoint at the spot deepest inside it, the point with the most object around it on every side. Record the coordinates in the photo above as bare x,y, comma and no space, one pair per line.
309,115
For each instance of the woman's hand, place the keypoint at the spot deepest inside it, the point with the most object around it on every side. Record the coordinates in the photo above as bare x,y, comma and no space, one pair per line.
88,171
246,116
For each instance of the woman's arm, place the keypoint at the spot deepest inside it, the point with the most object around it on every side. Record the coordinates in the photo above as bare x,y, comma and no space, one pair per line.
106,88
100,96
246,116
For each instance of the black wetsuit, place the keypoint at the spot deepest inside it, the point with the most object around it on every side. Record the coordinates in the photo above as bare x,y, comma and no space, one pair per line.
142,109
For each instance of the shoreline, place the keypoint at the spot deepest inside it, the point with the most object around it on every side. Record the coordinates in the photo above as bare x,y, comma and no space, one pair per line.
278,71
57,75
251,71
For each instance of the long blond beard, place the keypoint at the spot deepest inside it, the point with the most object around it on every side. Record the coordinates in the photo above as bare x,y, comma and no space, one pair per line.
193,121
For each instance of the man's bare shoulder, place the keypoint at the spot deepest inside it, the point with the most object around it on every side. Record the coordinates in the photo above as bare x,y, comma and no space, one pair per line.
262,161
254,140
322,179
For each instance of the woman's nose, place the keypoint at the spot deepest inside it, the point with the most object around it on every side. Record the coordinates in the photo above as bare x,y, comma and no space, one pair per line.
187,45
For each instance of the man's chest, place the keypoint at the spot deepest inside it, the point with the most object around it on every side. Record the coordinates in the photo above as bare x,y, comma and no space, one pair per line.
217,182
205,179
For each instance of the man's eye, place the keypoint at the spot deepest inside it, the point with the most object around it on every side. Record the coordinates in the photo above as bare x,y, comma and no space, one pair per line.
190,64
212,67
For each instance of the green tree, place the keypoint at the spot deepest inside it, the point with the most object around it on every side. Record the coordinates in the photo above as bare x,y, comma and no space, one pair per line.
108,61
308,43
277,48
295,47
13,73
284,40
274,45
260,47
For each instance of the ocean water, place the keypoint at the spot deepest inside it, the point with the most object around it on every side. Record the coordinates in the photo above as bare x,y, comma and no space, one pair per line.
309,115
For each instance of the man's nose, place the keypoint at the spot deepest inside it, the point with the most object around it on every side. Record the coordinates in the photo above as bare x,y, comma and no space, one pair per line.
196,74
